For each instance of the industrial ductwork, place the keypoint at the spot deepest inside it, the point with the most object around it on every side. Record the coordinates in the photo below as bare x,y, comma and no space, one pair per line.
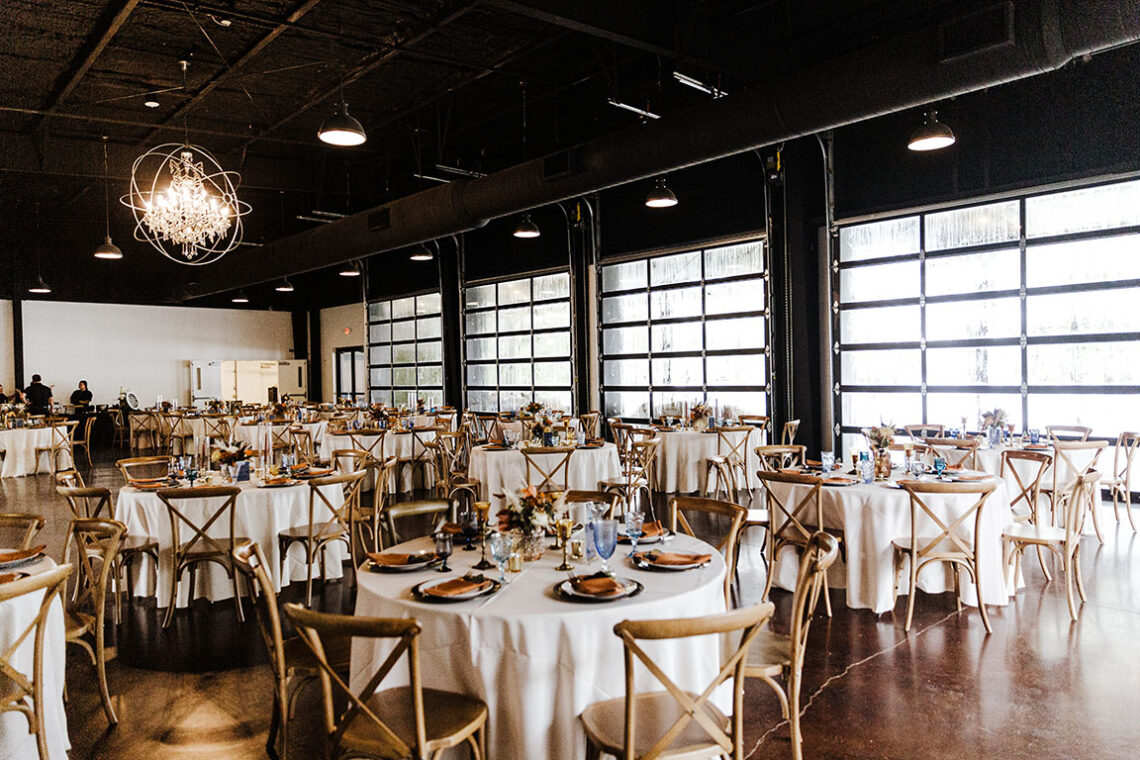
1006,42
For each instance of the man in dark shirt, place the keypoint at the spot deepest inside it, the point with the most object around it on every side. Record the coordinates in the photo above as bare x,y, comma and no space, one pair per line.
39,397
81,397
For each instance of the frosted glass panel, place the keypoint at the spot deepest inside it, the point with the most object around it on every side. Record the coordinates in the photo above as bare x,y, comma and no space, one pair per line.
380,355
624,276
514,374
404,330
977,225
734,334
672,403
404,353
893,237
514,400
552,344
625,340
1105,311
949,408
551,315
379,310
863,409
511,320
733,403
380,333
670,304
514,347
730,297
516,291
404,376
480,297
626,372
887,367
630,308
430,376
977,365
551,286
1114,363
973,273
429,304
430,352
483,401
681,336
480,323
991,318
678,371
403,307
627,404
481,348
430,327
555,400
879,282
1091,208
1100,260
734,260
381,376
886,324
672,270
1103,413
552,373
743,369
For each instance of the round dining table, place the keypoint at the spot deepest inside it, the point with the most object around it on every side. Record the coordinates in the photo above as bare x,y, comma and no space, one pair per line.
402,444
502,471
683,453
534,658
16,743
19,446
872,515
259,514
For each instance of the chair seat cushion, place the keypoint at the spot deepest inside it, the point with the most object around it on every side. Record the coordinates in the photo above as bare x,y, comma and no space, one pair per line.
1027,532
656,712
447,718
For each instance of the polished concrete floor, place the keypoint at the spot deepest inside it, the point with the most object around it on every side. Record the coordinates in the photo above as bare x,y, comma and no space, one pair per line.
1038,687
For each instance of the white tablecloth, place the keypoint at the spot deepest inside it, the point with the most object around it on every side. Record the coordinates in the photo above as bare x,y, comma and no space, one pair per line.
682,455
19,447
15,615
254,435
403,445
535,660
260,514
872,516
501,472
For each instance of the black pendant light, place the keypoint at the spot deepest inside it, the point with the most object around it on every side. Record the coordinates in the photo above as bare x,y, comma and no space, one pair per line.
107,249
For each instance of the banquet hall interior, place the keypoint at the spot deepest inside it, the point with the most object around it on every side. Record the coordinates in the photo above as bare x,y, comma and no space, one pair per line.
530,379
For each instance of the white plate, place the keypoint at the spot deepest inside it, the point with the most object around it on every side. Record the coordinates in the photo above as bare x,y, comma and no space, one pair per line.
418,591
623,538
422,560
631,588
643,565
5,566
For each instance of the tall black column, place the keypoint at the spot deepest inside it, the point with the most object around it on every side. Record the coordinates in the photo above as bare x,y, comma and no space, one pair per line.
450,260
17,343
314,355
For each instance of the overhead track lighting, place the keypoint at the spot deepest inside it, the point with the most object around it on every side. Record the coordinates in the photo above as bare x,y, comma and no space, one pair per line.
526,229
107,250
240,297
421,253
932,134
660,196
284,286
39,287
697,84
350,269
633,109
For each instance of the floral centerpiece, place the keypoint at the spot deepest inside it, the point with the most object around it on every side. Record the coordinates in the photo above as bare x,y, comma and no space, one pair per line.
881,437
530,513
238,452
994,423
166,406
215,406
542,429
377,413
280,410
533,409
699,414
420,405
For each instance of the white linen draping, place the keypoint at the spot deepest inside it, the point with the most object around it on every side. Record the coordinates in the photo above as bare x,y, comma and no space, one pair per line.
682,456
875,514
19,447
260,514
535,660
500,472
15,615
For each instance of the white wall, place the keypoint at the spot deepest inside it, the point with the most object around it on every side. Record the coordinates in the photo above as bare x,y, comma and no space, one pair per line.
333,323
7,350
145,349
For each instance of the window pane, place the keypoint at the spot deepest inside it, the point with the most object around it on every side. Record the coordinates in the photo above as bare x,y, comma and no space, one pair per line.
381,376
481,323
670,270
1091,208
511,320
973,273
404,376
481,348
550,315
734,260
431,376
429,304
741,369
552,374
673,402
514,400
380,333
626,372
404,353
431,353
627,404
555,399
1104,311
514,347
631,308
483,401
514,375
1115,363
404,330
403,307
1099,260
737,402
1100,412
678,371
380,396
379,310
380,355
893,237
625,340
670,304
429,327
516,291
404,398
729,297
887,367
977,225
480,297
552,344
980,365
624,276
951,408
552,286
879,282
483,375
863,409
961,320
682,336
880,325
734,334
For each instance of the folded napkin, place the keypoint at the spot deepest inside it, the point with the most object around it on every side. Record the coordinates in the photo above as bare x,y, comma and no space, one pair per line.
449,527
673,558
839,480
457,586
9,577
791,470
813,463
396,559
651,529
952,467
597,585
19,554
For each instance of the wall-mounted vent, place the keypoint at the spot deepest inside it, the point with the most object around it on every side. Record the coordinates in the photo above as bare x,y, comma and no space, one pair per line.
560,164
987,29
380,219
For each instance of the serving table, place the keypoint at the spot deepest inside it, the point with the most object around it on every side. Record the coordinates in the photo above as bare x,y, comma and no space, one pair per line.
19,447
504,471
682,454
260,514
536,660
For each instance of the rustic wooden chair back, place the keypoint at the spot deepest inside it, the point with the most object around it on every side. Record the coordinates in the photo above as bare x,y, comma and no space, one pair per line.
1068,432
23,527
1026,488
547,477
681,508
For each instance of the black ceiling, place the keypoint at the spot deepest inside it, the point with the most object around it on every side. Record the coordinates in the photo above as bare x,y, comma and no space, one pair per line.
433,82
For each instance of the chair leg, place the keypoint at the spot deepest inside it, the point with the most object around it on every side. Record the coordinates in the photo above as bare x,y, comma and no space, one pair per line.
770,550
1069,569
910,595
1093,509
309,574
1076,562
593,752
274,726
237,593
169,617
977,576
101,673
794,716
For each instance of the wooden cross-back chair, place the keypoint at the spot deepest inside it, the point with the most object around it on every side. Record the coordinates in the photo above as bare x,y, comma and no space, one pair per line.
95,542
948,545
23,526
367,521
675,724
1065,542
59,444
327,523
758,421
445,420
453,479
69,479
291,661
725,543
136,468
370,443
924,430
546,477
218,430
584,497
729,460
1071,459
1068,432
24,692
484,425
178,432
1120,485
1025,489
122,433
792,524
201,547
301,443
589,423
621,435
788,435
919,450
773,654
400,722
958,452
773,458
84,441
143,426
639,474
423,458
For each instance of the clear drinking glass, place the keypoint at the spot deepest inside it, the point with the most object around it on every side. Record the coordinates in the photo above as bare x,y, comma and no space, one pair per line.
633,522
827,459
502,544
605,541
443,549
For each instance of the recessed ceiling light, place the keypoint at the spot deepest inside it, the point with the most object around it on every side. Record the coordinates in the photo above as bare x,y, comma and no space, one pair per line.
150,103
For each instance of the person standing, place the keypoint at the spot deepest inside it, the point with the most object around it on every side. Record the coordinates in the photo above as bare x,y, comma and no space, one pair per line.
39,396
81,397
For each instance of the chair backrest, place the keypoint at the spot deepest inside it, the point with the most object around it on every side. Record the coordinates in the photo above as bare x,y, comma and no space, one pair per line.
546,477
958,544
315,627
301,441
779,457
924,430
484,424
958,452
61,434
1075,503
135,468
1028,489
758,421
589,422
919,451
340,516
620,432
1127,444
1074,458
584,497
745,621
452,452
356,459
88,425
87,502
820,553
69,478
222,509
96,541
641,461
793,523
420,436
250,562
20,687
788,436
681,509
217,426
23,527
732,442
1068,432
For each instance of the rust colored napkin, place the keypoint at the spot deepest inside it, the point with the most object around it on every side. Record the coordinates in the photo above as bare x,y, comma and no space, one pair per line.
449,527
651,529
674,558
953,467
835,481
457,586
9,577
19,554
813,463
597,586
391,559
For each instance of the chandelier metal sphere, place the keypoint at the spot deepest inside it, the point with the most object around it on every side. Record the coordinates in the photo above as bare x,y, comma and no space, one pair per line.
184,204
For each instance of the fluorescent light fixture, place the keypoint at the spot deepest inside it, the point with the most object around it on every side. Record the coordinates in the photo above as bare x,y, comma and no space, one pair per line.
633,109
526,229
660,196
284,286
240,297
40,286
932,134
697,84
341,129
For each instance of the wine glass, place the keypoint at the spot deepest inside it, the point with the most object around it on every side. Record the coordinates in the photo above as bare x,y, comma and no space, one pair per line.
827,460
443,549
605,542
469,523
633,522
502,544
939,466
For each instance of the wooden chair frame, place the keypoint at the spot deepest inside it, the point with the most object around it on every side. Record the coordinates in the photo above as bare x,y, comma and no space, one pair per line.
589,423
730,458
301,444
548,477
965,451
339,527
61,434
1029,492
735,513
758,421
788,435
178,429
1127,444
84,442
217,429
142,425
30,524
773,458
1080,432
584,497
126,465
1062,460
923,430
121,430
639,474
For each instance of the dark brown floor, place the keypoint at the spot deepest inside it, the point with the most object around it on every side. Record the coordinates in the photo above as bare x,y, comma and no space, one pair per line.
1038,687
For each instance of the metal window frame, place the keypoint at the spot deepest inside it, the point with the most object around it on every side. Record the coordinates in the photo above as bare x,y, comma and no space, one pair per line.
416,388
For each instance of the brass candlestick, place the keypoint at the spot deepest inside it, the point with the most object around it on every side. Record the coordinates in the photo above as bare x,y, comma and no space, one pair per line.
482,509
565,529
